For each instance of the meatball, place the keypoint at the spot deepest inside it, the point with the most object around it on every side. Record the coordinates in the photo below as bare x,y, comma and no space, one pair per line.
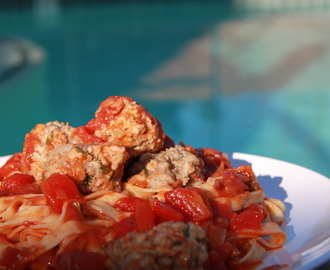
122,121
174,166
169,245
93,167
42,139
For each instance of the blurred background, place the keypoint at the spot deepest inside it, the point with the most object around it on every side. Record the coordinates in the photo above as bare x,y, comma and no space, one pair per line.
248,76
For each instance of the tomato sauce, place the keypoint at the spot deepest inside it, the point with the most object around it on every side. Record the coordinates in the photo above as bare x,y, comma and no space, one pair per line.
107,112
31,140
59,189
13,164
86,134
247,220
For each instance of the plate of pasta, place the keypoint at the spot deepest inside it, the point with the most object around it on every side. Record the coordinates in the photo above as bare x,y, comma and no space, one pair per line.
119,193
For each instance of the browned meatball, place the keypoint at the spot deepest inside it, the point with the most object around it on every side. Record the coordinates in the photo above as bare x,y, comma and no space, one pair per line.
55,148
42,139
174,166
169,245
122,121
93,167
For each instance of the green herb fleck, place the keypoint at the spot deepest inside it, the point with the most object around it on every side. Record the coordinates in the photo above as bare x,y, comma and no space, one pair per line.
79,149
48,141
104,168
88,179
146,172
50,138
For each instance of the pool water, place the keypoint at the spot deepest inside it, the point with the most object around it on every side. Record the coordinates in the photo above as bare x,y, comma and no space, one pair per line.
251,79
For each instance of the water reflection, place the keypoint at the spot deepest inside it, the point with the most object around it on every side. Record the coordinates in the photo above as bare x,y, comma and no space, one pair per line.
228,84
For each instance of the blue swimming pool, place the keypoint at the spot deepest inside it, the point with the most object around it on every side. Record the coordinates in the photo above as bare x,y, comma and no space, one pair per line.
241,79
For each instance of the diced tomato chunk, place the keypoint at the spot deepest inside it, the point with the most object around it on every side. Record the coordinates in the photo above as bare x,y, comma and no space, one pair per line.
86,134
225,250
230,184
22,189
45,261
127,204
217,258
165,212
29,147
82,260
17,179
144,217
206,223
247,220
258,208
244,172
214,262
90,240
108,110
189,203
73,212
203,196
17,184
223,210
11,259
13,164
216,236
213,159
124,226
59,189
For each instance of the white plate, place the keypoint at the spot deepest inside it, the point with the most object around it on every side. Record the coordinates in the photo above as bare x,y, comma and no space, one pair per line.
306,195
